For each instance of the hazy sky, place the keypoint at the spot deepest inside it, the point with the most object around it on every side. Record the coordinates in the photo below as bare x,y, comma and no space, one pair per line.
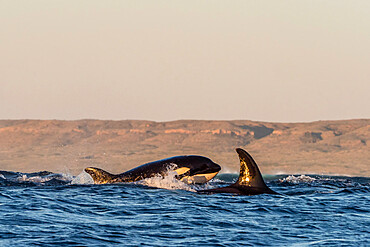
166,60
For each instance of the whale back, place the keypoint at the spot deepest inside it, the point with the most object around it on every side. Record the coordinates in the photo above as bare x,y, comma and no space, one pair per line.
100,176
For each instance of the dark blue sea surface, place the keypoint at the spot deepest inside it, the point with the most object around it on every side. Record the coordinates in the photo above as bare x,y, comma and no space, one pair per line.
46,209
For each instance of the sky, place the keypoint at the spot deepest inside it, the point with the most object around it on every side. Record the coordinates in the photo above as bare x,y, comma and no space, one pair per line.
278,61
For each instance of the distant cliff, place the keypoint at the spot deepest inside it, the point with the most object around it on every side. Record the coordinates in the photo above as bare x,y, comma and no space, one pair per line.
323,147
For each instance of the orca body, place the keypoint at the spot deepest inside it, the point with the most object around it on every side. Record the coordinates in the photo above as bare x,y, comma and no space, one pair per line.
250,181
189,169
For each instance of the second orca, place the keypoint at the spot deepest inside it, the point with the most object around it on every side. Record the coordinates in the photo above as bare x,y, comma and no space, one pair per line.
189,169
250,181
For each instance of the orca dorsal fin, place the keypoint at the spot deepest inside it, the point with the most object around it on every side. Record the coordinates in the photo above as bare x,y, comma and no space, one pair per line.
249,174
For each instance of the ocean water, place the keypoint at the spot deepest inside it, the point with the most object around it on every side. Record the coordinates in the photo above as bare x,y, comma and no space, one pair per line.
46,209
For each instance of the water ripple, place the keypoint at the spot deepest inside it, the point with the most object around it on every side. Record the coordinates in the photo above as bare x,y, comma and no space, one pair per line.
311,211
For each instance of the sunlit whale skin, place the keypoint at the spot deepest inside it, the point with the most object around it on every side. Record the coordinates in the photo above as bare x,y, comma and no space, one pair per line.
250,181
189,169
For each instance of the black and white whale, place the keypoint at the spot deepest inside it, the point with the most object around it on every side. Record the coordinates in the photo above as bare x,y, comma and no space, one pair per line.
250,181
189,169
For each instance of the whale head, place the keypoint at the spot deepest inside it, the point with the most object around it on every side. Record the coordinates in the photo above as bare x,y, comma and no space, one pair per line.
197,169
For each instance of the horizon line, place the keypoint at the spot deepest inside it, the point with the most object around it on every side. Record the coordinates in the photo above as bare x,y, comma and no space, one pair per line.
175,120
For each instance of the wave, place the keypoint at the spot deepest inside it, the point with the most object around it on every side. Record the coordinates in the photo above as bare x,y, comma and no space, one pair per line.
169,182
287,184
8,178
297,179
82,178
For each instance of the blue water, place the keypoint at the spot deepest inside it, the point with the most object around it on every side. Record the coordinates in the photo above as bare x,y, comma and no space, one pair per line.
43,209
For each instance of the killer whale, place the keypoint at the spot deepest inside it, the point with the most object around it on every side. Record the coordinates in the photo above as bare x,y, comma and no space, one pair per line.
189,169
250,181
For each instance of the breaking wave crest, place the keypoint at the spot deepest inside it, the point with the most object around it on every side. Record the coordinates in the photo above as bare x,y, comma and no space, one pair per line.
169,182
297,179
82,178
36,178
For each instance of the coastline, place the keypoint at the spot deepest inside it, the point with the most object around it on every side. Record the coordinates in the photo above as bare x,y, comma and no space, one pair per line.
338,147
